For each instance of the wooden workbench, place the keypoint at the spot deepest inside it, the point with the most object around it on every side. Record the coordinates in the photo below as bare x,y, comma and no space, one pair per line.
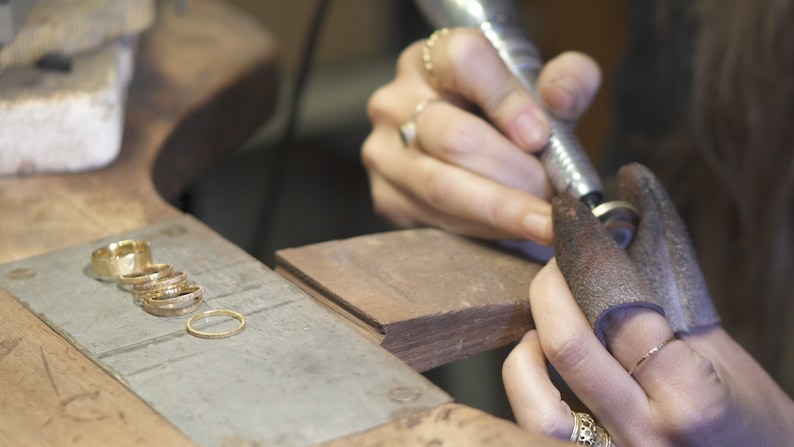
203,83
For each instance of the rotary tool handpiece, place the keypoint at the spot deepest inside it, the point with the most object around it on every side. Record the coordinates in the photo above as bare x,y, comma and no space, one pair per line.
565,162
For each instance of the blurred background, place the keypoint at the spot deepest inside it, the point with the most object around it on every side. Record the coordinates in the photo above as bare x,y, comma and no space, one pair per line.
321,192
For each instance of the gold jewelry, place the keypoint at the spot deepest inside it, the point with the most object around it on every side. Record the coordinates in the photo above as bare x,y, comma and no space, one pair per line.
214,312
172,310
427,60
150,273
185,295
587,432
168,280
120,258
408,129
648,354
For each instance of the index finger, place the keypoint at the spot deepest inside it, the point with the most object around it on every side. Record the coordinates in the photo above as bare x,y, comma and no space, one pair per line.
464,61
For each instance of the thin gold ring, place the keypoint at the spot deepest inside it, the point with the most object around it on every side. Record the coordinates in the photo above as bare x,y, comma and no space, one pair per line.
171,310
185,295
110,262
170,279
648,354
427,60
215,312
408,128
150,273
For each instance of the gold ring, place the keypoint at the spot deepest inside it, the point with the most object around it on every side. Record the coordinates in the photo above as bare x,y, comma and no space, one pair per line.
408,129
150,273
170,279
120,258
179,298
427,60
587,432
215,312
172,310
648,354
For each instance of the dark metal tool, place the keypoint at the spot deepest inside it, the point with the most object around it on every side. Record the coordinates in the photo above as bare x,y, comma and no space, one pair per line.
565,162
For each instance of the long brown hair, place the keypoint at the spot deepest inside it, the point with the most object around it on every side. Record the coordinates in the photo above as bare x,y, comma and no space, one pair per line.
706,99
741,206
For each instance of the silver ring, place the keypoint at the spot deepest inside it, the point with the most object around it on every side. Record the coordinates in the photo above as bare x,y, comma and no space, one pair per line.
408,128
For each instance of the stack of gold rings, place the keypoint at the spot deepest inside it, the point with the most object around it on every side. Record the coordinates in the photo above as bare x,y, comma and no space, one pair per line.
158,288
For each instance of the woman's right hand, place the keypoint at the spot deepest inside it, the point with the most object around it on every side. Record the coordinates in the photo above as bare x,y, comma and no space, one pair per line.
472,167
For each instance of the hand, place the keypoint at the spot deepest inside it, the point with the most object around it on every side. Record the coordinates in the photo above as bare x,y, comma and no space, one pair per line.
699,389
471,169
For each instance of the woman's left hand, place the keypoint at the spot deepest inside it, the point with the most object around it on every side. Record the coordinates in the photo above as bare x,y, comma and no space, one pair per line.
700,388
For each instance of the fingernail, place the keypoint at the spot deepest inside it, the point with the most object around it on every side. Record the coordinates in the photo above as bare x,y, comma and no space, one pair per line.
531,127
566,98
539,226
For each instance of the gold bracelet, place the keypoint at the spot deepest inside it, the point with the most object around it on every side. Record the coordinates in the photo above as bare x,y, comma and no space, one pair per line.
215,312
150,273
120,258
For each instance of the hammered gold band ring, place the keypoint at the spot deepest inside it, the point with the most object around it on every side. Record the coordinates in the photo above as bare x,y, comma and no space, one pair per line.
120,258
648,354
589,433
215,312
427,59
149,273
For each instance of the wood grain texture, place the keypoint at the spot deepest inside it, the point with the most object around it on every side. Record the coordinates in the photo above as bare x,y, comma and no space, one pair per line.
448,425
427,296
54,395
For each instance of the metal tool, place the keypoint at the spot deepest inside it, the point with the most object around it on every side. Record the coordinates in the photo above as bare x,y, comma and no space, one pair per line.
563,158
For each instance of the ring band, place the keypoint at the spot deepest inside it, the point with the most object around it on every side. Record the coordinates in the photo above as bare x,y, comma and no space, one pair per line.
120,258
188,302
587,432
408,129
427,61
172,278
150,273
215,312
183,296
648,354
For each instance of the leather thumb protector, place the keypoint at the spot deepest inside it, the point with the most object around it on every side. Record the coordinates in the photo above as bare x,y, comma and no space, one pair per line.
663,253
599,273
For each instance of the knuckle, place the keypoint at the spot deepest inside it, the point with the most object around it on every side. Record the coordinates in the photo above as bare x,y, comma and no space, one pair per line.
378,103
566,351
368,153
703,405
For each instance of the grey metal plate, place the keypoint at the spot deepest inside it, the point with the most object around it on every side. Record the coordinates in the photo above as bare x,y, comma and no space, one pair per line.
297,374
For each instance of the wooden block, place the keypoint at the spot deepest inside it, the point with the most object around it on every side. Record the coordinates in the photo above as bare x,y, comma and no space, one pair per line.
296,375
427,296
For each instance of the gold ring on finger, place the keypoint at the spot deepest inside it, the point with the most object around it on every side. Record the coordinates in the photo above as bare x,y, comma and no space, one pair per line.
427,59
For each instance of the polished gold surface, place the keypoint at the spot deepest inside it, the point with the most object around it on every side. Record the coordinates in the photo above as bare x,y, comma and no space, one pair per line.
120,258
